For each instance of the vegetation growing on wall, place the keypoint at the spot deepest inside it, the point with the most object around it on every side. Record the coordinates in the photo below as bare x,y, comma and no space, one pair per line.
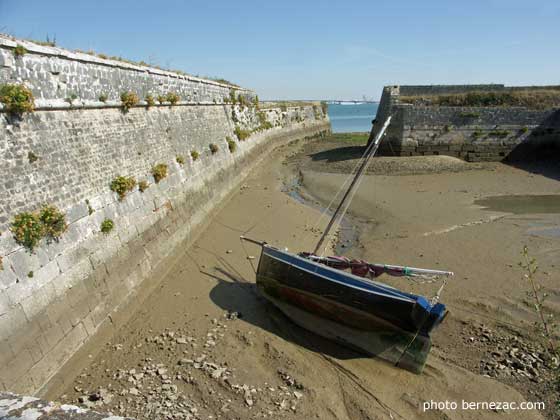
220,80
194,155
19,51
161,99
172,98
17,99
242,100
530,98
107,226
232,96
71,98
159,171
103,98
32,157
213,148
143,185
469,114
53,221
30,228
477,133
123,185
180,160
232,146
27,230
241,134
150,101
499,133
90,208
261,115
129,99
316,112
264,125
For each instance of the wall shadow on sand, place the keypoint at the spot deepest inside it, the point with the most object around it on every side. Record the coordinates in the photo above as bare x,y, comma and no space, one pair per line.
540,152
338,154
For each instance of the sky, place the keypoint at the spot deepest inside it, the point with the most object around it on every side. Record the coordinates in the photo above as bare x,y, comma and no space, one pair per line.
309,49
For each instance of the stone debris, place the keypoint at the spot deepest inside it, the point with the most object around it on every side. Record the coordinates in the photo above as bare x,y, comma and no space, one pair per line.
288,380
21,407
154,390
511,356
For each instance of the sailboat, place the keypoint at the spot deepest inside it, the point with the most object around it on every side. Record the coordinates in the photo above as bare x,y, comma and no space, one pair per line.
338,298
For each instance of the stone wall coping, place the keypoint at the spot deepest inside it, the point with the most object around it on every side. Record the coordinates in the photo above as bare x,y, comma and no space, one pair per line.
8,42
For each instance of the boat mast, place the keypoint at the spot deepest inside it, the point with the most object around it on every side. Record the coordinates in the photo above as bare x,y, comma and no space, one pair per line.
370,151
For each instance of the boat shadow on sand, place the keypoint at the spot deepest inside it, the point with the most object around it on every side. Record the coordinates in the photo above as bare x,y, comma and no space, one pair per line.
233,293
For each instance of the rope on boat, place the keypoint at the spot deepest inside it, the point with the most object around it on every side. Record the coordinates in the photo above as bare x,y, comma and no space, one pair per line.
352,188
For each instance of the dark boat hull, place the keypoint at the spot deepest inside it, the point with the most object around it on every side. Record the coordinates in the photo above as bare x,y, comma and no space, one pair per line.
370,317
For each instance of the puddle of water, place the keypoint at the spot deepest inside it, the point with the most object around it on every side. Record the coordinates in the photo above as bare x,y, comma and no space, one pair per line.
553,232
522,204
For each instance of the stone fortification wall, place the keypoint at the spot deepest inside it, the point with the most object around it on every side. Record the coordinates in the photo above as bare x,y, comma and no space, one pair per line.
471,133
57,296
57,77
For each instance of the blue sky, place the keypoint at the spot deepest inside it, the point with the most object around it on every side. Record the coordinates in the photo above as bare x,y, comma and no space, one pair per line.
311,49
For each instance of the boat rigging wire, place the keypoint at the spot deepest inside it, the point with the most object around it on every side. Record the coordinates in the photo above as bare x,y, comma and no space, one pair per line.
350,192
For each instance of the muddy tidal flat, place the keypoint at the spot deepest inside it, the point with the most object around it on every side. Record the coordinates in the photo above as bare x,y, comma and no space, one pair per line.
205,345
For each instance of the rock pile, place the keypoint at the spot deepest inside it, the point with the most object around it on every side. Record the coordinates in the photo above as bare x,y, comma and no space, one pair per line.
511,355
185,379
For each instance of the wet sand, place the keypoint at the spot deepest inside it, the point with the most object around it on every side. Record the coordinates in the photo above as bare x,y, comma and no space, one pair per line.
273,369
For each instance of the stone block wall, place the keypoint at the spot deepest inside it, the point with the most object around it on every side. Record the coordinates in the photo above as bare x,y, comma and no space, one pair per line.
54,299
471,133
56,75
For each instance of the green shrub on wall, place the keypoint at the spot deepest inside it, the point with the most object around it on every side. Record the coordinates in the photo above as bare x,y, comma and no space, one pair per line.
172,98
159,171
240,133
107,226
150,101
194,155
143,185
122,185
180,160
32,157
232,96
103,98
242,100
161,99
477,133
19,51
71,98
499,133
54,222
16,99
213,148
27,230
232,146
129,99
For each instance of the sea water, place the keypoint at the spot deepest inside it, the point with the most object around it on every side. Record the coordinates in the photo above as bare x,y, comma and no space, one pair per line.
349,118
